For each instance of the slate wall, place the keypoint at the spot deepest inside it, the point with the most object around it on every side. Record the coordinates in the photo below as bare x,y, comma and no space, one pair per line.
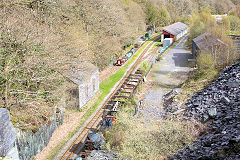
30,144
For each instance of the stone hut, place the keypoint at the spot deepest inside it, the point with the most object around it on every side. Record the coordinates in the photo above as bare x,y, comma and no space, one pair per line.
205,42
86,76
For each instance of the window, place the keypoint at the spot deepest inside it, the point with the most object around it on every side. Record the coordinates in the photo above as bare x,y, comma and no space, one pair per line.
93,84
86,91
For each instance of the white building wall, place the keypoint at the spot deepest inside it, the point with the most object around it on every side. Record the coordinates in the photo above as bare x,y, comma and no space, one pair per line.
180,35
82,97
87,91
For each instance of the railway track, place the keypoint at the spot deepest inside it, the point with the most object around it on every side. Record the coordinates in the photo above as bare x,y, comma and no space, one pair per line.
125,89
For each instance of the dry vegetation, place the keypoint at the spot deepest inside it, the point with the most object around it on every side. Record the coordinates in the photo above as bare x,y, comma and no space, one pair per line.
40,38
141,138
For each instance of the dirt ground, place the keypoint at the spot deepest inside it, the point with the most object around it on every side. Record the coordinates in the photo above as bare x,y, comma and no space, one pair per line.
165,75
108,72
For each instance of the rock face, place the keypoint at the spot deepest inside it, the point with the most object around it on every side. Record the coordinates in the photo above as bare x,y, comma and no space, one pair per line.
7,133
29,144
220,103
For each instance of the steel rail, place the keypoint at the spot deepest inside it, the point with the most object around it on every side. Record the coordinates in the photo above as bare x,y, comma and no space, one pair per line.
69,153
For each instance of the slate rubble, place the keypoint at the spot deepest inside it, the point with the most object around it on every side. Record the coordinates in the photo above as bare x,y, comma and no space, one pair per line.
219,105
103,155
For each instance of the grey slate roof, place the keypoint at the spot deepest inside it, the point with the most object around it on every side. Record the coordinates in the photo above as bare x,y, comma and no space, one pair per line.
176,28
80,72
206,41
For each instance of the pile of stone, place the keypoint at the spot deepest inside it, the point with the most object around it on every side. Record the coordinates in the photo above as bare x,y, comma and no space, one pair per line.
103,155
171,106
219,105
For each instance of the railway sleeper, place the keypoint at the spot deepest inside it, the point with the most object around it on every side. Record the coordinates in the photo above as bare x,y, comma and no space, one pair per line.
129,87
118,101
125,92
134,81
131,82
135,77
120,96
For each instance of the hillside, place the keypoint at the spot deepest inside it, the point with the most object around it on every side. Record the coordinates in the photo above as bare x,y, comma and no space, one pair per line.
44,42
180,10
40,38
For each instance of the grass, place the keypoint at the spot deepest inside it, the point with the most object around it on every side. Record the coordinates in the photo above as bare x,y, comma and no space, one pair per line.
233,33
105,88
156,44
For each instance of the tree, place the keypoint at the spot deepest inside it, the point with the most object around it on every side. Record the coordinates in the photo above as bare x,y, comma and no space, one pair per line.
235,23
157,16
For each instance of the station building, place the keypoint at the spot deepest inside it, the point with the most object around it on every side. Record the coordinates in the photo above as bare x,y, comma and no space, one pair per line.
85,78
175,31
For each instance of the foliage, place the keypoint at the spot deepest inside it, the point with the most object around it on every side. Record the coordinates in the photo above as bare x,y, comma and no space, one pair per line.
205,62
200,22
234,23
40,38
23,76
144,67
226,23
157,16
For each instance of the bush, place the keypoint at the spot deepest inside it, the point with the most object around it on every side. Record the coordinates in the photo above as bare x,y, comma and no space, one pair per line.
234,22
144,67
205,61
157,16
140,139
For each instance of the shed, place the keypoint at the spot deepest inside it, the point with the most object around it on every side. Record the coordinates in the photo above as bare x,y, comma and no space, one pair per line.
205,42
86,76
151,29
175,31
167,42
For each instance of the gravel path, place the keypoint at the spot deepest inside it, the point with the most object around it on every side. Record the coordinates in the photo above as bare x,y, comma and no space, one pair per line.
166,75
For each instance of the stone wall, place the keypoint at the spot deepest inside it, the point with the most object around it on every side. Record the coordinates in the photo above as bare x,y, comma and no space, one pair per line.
16,144
7,133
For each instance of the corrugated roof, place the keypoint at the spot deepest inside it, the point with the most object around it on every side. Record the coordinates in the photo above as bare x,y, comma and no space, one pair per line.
80,72
206,40
175,28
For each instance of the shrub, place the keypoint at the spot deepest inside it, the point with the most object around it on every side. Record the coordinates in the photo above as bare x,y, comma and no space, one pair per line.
234,22
140,139
205,61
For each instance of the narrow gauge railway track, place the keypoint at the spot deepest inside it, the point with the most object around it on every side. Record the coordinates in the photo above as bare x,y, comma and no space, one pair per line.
127,84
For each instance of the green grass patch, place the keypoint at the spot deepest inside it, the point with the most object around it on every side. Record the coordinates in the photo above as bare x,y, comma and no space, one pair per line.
233,32
156,44
105,88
